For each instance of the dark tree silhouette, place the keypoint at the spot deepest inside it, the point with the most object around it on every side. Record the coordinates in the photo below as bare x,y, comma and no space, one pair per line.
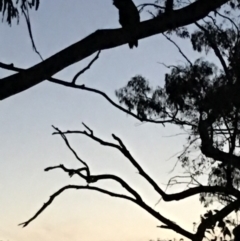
200,97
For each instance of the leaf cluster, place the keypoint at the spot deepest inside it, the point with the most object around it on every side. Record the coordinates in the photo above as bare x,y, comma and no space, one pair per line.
10,9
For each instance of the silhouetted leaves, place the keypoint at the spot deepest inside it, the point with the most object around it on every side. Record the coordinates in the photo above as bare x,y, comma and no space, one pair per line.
199,90
10,10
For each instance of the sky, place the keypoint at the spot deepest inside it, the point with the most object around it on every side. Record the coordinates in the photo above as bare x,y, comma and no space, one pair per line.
28,147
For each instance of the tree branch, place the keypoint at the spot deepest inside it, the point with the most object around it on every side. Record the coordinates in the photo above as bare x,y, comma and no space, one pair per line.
210,151
179,49
166,197
209,222
140,203
72,150
172,119
100,40
201,189
53,196
95,178
86,68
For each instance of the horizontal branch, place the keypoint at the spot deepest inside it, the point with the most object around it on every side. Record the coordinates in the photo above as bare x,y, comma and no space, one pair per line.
95,178
201,189
100,40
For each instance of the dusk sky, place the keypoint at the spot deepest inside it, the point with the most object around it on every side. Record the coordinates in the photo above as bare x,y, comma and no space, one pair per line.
28,147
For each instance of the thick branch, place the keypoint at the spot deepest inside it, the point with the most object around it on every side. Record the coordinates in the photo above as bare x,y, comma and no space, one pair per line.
209,222
200,189
210,151
100,40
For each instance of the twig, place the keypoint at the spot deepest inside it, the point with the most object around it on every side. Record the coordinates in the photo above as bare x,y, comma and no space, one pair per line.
86,68
72,150
142,6
179,49
169,66
88,128
28,22
230,20
70,172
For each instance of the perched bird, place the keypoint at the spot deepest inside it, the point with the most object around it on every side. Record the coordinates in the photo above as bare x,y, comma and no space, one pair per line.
129,18
168,6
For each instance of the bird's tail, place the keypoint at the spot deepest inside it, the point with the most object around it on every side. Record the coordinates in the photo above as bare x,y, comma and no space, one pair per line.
133,43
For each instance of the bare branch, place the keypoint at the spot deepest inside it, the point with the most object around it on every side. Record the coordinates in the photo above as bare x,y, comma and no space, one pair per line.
72,150
96,178
179,49
70,172
10,67
53,196
166,197
86,68
172,225
141,6
88,128
169,66
28,22
139,202
122,148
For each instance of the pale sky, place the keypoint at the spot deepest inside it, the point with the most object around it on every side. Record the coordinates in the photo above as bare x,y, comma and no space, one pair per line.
27,146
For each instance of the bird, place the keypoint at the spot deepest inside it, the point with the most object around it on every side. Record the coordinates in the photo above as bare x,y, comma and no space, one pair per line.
168,6
129,18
